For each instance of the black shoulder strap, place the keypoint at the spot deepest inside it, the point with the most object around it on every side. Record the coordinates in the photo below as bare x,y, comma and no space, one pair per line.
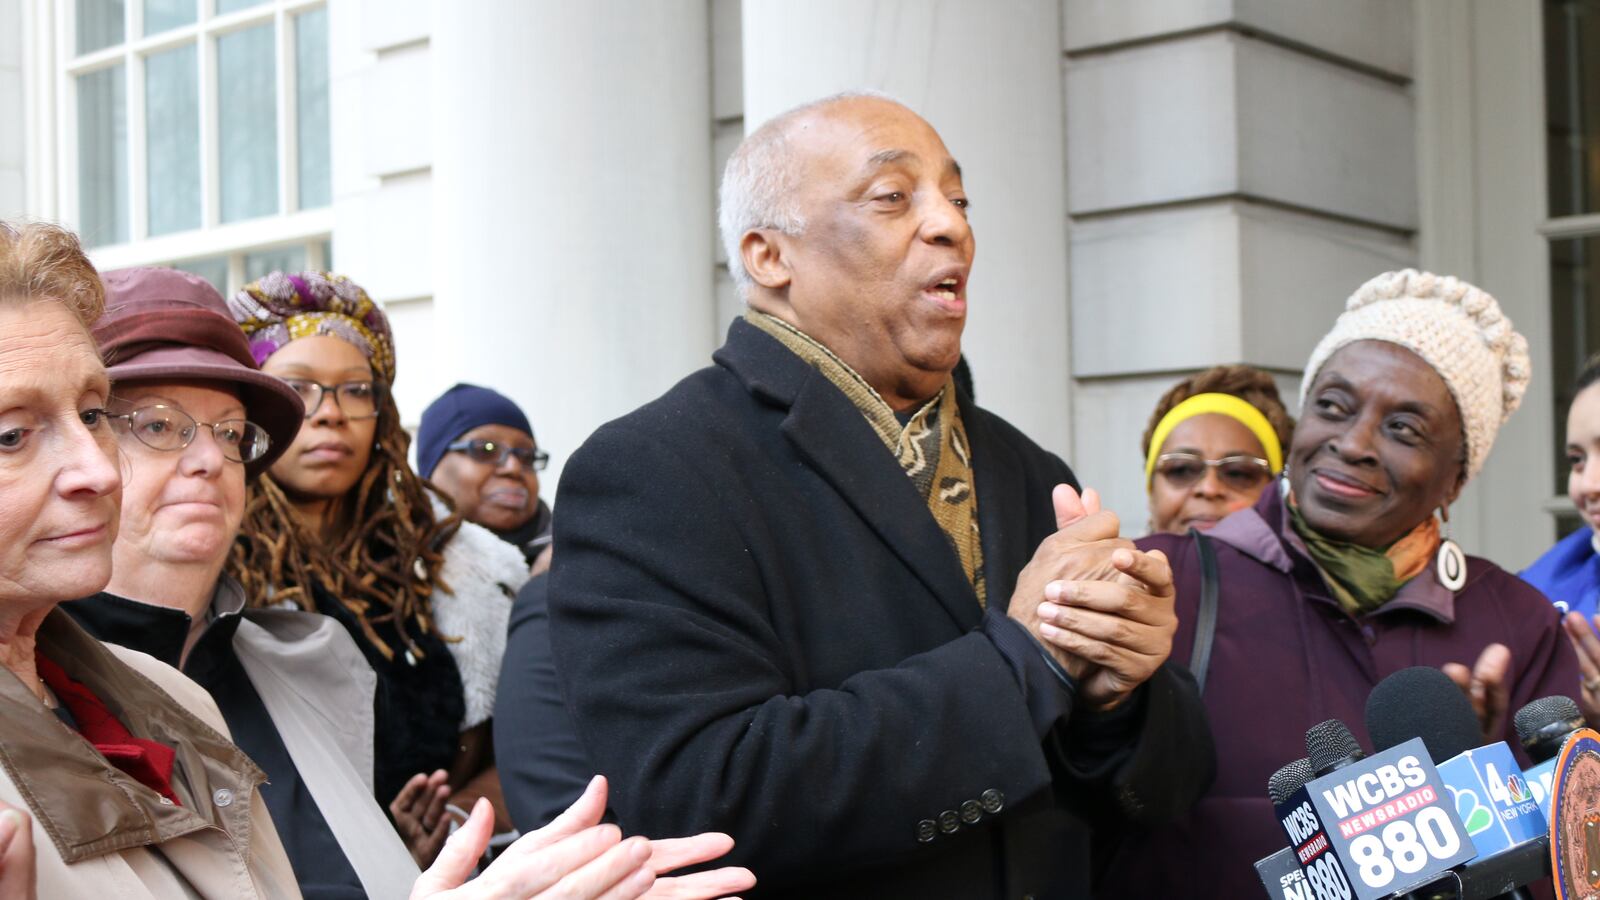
1205,627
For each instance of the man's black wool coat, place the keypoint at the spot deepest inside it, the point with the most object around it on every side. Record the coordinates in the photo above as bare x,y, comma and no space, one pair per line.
761,630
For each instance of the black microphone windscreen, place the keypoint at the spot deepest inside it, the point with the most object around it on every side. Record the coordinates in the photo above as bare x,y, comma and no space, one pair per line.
1545,723
1422,702
1286,781
1329,743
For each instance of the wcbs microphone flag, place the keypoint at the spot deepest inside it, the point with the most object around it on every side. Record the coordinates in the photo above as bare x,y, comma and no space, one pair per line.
1375,827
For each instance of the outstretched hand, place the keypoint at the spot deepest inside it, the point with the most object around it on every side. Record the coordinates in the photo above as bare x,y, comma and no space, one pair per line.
419,815
576,858
1487,685
1587,646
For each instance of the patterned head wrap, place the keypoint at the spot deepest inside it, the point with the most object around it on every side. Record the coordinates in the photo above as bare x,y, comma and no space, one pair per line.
282,307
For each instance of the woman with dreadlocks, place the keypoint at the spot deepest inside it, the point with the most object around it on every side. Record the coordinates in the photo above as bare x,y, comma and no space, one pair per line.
341,524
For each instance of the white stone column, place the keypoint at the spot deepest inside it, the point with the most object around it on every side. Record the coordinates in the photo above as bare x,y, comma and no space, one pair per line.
1480,90
13,111
1235,169
571,192
987,77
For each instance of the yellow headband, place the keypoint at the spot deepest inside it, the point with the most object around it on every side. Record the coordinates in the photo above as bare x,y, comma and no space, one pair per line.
1228,405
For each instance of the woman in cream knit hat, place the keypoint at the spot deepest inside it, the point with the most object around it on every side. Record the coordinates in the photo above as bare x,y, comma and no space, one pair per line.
1343,573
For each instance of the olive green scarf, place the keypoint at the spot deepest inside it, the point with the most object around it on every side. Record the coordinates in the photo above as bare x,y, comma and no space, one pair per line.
1362,579
931,447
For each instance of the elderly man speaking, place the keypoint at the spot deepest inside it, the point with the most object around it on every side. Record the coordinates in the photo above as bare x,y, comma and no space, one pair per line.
815,598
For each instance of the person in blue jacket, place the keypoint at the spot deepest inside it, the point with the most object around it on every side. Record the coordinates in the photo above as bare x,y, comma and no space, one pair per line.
1569,572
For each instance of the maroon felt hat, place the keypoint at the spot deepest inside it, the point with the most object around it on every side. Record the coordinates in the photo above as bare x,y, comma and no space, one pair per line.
164,324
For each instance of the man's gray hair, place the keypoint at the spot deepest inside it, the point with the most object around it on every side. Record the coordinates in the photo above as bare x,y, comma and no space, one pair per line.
761,184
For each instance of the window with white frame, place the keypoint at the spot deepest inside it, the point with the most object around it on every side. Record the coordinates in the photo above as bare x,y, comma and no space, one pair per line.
196,133
1572,226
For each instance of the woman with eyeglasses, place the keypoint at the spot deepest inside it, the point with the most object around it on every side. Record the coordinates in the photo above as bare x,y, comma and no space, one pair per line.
196,421
476,446
1344,572
340,524
1213,442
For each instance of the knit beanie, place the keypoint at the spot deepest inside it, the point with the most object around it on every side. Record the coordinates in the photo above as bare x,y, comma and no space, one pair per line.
458,411
1457,329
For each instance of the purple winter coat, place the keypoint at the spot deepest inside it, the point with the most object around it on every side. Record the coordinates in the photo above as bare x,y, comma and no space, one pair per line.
1286,657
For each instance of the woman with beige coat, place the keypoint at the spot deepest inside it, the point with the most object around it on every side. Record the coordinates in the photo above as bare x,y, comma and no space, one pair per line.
117,776
122,763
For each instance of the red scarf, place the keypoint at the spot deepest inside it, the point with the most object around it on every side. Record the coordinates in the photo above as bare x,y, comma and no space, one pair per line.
146,761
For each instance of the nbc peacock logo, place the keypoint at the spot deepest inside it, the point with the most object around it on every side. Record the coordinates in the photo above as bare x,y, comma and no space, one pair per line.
1518,788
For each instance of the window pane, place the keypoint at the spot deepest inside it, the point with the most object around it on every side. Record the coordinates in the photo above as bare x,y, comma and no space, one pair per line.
213,269
311,107
327,256
1572,104
227,6
101,24
247,123
279,259
103,157
1575,320
172,141
165,15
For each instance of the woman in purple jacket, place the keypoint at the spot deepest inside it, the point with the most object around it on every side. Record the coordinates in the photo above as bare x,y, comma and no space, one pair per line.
1339,575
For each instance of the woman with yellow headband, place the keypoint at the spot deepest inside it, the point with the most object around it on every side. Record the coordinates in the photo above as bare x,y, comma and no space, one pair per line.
1343,572
1213,443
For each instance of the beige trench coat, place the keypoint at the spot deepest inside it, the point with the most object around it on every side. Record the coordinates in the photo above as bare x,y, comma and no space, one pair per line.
104,836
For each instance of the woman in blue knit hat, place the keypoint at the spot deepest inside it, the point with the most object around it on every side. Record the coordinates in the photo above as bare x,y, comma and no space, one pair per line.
475,445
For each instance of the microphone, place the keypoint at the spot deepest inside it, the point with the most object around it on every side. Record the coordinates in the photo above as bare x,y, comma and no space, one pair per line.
1331,746
1422,702
1280,873
1368,826
1543,726
1286,781
1489,791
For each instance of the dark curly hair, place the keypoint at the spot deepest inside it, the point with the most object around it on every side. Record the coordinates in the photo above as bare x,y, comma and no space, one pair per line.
1248,383
383,569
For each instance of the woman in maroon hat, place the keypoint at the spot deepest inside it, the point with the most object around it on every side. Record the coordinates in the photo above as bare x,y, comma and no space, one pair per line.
195,419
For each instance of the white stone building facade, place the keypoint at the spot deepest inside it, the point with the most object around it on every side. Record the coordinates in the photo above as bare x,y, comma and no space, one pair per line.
1159,185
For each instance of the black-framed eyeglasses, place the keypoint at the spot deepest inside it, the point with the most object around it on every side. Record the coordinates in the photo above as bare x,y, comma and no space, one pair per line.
483,451
166,428
356,399
1241,473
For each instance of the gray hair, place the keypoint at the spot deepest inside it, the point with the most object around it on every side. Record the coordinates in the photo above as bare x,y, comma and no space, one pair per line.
761,184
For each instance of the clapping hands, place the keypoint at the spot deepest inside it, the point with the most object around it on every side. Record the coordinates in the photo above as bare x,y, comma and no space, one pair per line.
577,858
1102,607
